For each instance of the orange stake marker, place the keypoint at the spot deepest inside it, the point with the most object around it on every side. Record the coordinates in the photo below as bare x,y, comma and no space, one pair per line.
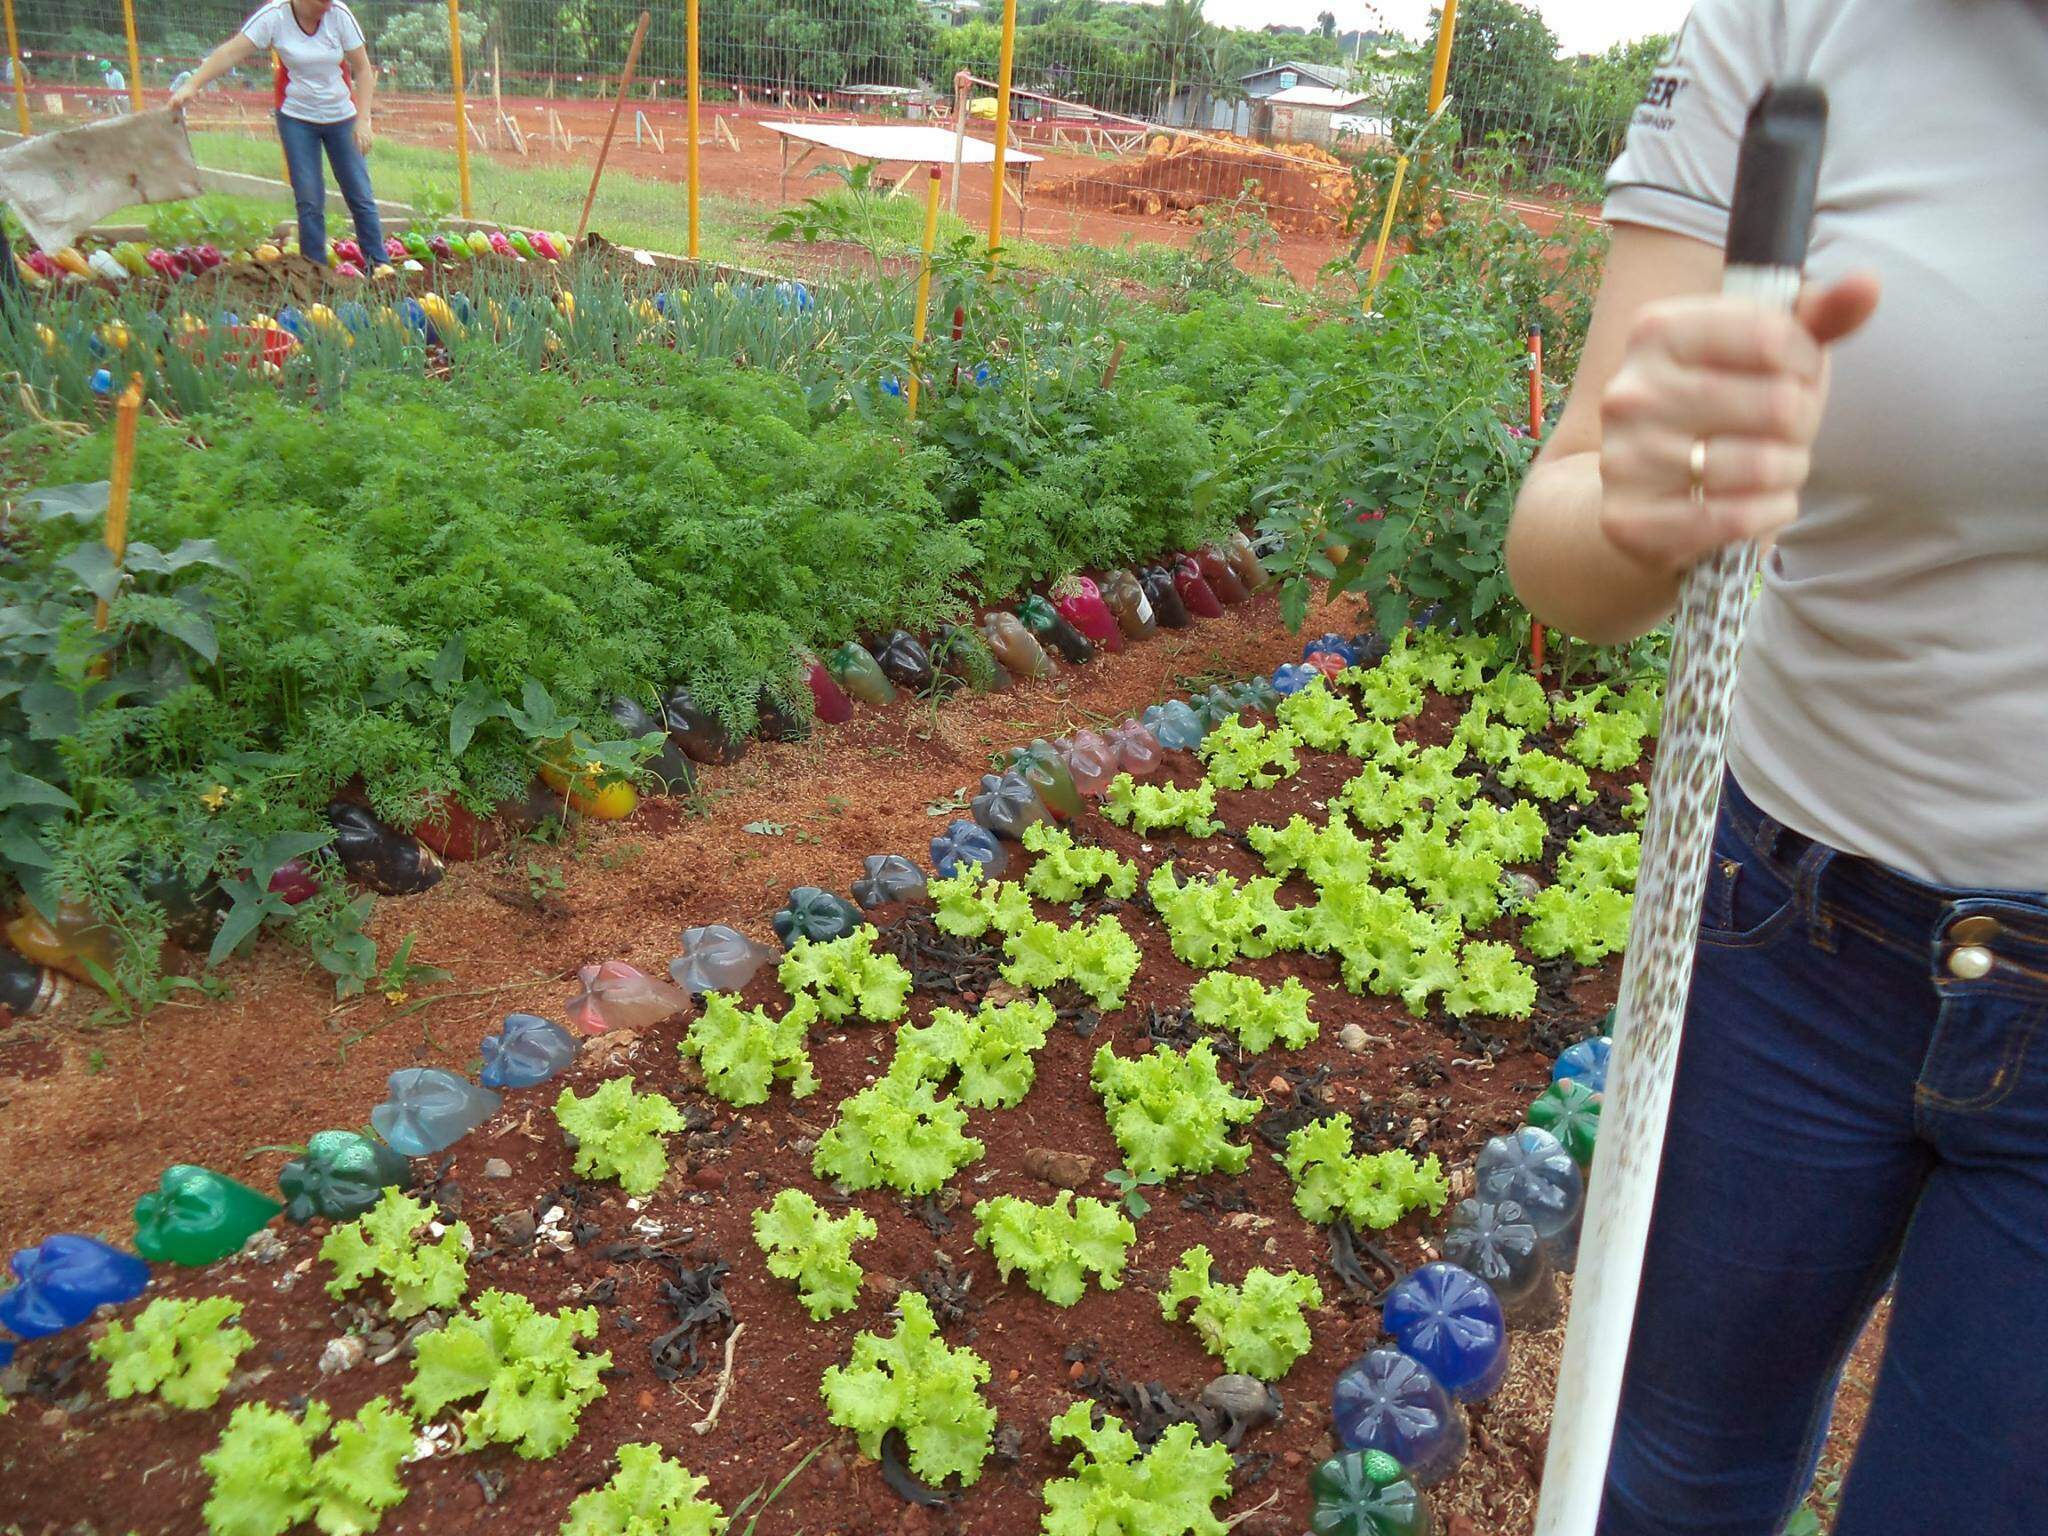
126,410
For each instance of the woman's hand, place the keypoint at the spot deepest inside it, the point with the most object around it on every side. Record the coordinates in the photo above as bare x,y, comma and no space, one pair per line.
1707,426
182,98
365,134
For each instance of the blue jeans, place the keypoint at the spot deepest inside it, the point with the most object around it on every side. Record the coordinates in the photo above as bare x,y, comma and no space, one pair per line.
1852,1110
303,142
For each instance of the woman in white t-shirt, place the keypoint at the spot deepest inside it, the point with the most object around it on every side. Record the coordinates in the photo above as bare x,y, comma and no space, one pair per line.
320,45
1861,1101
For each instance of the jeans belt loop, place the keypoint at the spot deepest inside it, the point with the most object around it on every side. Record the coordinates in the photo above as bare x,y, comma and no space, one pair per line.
1806,894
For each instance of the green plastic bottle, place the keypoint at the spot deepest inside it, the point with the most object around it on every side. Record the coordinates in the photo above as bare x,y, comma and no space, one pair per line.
195,1216
1365,1493
416,246
1570,1111
855,669
1046,772
523,246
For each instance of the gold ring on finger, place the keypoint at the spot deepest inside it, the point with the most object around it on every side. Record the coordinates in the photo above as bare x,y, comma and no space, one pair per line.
1696,471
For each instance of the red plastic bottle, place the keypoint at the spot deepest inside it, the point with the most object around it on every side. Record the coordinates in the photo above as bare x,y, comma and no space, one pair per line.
1195,592
828,699
1080,603
1217,571
454,832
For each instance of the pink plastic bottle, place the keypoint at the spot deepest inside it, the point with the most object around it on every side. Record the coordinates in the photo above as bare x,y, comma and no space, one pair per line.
1080,603
1216,570
828,699
1091,760
1194,591
1137,749
1329,663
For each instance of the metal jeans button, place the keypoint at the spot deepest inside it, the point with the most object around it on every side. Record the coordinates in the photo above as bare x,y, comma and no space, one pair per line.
1973,930
1969,962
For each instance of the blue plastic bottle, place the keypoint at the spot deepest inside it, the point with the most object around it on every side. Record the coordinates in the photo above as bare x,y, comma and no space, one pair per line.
1448,1319
1531,1167
63,1279
1389,1402
1586,1061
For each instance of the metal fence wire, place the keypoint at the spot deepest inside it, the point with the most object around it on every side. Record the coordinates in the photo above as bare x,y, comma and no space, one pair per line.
1149,112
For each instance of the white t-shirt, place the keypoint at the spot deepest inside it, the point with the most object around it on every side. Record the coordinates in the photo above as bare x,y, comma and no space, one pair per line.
1893,698
315,91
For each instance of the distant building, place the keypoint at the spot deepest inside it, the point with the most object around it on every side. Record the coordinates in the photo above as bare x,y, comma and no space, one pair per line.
1240,114
1307,114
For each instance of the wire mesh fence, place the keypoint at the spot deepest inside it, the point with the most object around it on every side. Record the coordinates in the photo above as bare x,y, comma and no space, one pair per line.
1140,121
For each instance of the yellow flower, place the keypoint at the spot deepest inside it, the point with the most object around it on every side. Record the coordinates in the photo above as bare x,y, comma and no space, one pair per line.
214,798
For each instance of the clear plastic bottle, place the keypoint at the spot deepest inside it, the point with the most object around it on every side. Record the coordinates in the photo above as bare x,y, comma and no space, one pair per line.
1127,600
1137,749
1046,771
855,669
717,958
1496,1242
1175,725
1091,760
1245,561
1531,1167
1015,648
1007,805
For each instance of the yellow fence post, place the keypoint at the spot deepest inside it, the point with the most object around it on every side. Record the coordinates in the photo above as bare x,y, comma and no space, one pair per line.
995,191
924,291
696,99
134,56
20,74
461,107
1439,76
1440,72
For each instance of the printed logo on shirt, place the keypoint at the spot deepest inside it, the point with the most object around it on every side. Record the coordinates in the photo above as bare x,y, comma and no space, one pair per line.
1657,112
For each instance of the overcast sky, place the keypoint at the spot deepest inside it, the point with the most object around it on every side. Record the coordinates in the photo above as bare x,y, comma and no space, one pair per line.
1582,26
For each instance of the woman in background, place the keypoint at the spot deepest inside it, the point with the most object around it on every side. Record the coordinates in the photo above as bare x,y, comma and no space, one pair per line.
323,53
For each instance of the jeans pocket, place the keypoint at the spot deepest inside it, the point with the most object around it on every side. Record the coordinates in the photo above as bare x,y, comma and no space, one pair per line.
1746,901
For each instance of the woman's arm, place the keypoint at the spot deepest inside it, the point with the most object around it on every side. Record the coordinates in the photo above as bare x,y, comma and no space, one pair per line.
1606,523
234,51
364,74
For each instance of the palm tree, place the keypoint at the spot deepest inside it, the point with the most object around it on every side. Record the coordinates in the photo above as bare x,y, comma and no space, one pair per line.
1179,29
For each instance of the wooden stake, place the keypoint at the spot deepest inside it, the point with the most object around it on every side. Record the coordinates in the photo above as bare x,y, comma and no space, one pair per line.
618,105
924,290
126,411
1116,359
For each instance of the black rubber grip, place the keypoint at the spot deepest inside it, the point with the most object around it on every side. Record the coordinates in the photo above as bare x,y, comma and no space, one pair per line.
1776,177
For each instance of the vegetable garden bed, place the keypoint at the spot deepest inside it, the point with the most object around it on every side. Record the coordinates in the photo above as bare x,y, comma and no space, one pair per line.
1418,1079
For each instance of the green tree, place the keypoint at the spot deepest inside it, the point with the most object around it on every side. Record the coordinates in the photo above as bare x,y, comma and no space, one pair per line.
1179,31
412,48
1505,76
1326,23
